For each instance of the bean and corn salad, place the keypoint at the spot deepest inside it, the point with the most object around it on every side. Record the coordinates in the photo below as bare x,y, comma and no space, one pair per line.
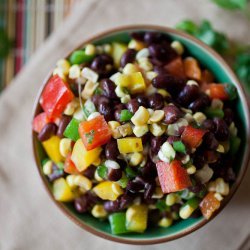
138,134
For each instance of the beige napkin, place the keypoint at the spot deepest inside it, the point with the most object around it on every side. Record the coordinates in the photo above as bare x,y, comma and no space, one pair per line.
28,218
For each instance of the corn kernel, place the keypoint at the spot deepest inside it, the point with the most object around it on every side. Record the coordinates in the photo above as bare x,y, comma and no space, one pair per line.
162,157
171,199
220,149
116,188
113,124
174,129
97,177
204,174
64,66
218,196
186,211
74,71
111,164
163,92
97,162
168,150
125,99
47,167
185,159
217,104
120,91
130,68
135,159
157,116
188,117
137,45
89,74
129,145
71,107
125,129
65,146
143,53
139,131
137,83
89,89
165,222
78,114
232,129
151,111
222,187
199,117
145,64
98,211
123,80
59,72
226,145
79,181
157,129
158,194
178,47
115,76
140,117
62,191
107,48
191,169
90,49
150,75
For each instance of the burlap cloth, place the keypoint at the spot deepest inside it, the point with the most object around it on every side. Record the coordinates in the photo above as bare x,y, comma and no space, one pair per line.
28,218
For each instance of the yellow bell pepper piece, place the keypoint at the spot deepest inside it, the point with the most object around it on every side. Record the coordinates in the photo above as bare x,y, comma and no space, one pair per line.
136,218
62,191
108,190
137,83
51,147
129,145
118,50
83,158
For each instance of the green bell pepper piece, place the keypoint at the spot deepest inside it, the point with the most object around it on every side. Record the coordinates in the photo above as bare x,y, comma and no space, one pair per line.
126,115
214,112
234,144
118,223
79,56
102,171
71,130
179,147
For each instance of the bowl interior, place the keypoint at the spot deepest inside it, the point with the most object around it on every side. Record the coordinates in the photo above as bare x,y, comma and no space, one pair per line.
157,234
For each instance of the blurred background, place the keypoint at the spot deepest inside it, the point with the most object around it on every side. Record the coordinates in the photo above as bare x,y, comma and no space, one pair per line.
24,26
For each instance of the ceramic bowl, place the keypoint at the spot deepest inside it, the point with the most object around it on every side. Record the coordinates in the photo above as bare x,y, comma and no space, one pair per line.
211,60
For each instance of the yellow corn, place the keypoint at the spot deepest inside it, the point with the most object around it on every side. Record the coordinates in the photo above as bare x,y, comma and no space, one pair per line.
89,89
171,199
220,149
145,64
62,191
136,218
218,196
140,117
130,68
90,49
199,117
89,74
118,50
125,99
135,159
98,211
139,131
150,75
71,107
186,211
125,129
65,146
51,147
137,45
157,129
158,194
178,47
74,71
108,190
97,162
113,124
64,66
59,72
129,145
157,116
165,222
47,167
83,158
191,169
123,80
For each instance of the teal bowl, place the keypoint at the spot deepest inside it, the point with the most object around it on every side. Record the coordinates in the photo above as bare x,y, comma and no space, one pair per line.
223,73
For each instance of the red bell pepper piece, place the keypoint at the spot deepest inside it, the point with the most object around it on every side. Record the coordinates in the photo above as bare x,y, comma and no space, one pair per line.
192,137
176,67
209,205
218,91
69,166
40,121
172,176
55,97
95,132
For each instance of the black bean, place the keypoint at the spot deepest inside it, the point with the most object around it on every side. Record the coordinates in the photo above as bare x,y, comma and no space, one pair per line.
106,110
123,164
200,103
156,101
208,125
81,204
196,214
97,99
162,52
108,88
198,160
149,190
156,143
47,131
209,141
134,186
111,150
211,156
153,217
176,207
160,70
188,94
90,172
114,174
125,200
197,188
128,57
118,109
142,100
152,37
172,114
221,129
132,105
102,64
56,173
145,138
65,120
228,116
149,170
111,206
169,82
138,36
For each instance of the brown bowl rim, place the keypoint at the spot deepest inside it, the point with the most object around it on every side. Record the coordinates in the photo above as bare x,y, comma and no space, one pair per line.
246,156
